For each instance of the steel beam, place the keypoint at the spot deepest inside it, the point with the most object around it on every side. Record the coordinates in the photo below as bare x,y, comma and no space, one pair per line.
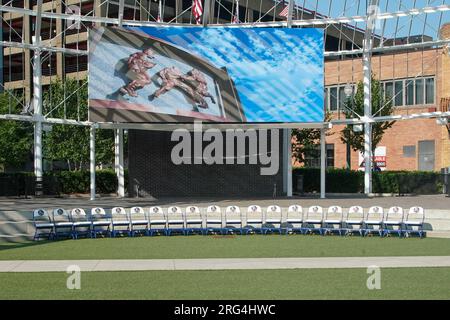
303,23
92,160
37,101
323,163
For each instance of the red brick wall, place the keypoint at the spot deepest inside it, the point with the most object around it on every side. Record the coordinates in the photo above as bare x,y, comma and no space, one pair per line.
410,132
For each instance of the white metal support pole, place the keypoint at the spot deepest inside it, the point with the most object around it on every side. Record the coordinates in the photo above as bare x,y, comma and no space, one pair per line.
118,148
37,101
121,8
287,147
206,12
367,81
118,136
323,163
287,162
92,160
290,13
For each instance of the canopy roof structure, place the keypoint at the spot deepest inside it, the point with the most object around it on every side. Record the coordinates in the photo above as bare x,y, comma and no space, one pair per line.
355,29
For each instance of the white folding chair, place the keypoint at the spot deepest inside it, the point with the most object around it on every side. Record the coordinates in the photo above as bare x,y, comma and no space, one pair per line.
157,221
213,220
273,219
314,219
414,221
393,221
139,221
43,225
333,220
193,220
353,220
294,219
175,220
253,219
63,223
233,220
81,223
101,222
120,221
373,221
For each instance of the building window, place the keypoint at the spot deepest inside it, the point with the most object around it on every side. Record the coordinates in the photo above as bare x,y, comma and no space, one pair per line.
389,91
312,156
419,91
410,92
429,91
398,93
335,97
409,151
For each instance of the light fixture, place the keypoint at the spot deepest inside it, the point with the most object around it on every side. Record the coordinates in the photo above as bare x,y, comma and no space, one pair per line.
442,121
348,90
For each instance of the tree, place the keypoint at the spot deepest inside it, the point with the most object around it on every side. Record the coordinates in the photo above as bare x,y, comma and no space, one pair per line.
306,140
70,143
16,137
381,106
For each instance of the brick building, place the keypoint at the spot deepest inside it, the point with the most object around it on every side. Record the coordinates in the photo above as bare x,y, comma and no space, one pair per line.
420,82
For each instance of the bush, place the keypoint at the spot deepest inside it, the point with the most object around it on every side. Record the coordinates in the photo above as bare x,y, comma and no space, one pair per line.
350,181
59,182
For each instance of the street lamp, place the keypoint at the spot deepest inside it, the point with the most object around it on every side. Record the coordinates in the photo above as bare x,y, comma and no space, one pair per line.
348,90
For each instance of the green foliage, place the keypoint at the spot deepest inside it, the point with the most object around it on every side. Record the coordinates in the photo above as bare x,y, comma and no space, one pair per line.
68,143
59,182
71,143
337,180
305,140
16,140
355,107
420,182
79,181
350,181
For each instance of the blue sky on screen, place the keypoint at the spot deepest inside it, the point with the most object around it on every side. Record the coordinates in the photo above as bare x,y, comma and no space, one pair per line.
278,73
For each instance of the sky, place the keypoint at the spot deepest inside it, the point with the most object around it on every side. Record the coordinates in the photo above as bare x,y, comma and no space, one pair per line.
278,73
427,24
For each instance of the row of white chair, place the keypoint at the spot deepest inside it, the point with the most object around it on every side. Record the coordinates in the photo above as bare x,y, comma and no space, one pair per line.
212,220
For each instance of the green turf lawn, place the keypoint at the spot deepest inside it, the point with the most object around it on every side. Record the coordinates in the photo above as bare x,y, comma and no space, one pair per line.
254,246
399,283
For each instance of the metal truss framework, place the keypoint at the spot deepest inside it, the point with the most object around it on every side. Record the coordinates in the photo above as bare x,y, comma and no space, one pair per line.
38,47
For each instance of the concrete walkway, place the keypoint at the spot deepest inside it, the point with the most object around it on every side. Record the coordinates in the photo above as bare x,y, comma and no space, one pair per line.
223,264
427,201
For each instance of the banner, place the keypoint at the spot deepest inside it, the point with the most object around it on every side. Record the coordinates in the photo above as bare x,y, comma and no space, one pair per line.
379,159
179,74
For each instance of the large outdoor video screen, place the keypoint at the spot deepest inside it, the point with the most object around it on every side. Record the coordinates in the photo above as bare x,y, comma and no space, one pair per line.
215,74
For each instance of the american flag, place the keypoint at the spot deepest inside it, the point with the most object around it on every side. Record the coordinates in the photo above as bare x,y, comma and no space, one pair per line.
285,11
197,10
235,18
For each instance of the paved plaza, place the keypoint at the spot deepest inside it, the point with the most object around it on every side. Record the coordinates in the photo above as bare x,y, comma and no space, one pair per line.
439,202
223,264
